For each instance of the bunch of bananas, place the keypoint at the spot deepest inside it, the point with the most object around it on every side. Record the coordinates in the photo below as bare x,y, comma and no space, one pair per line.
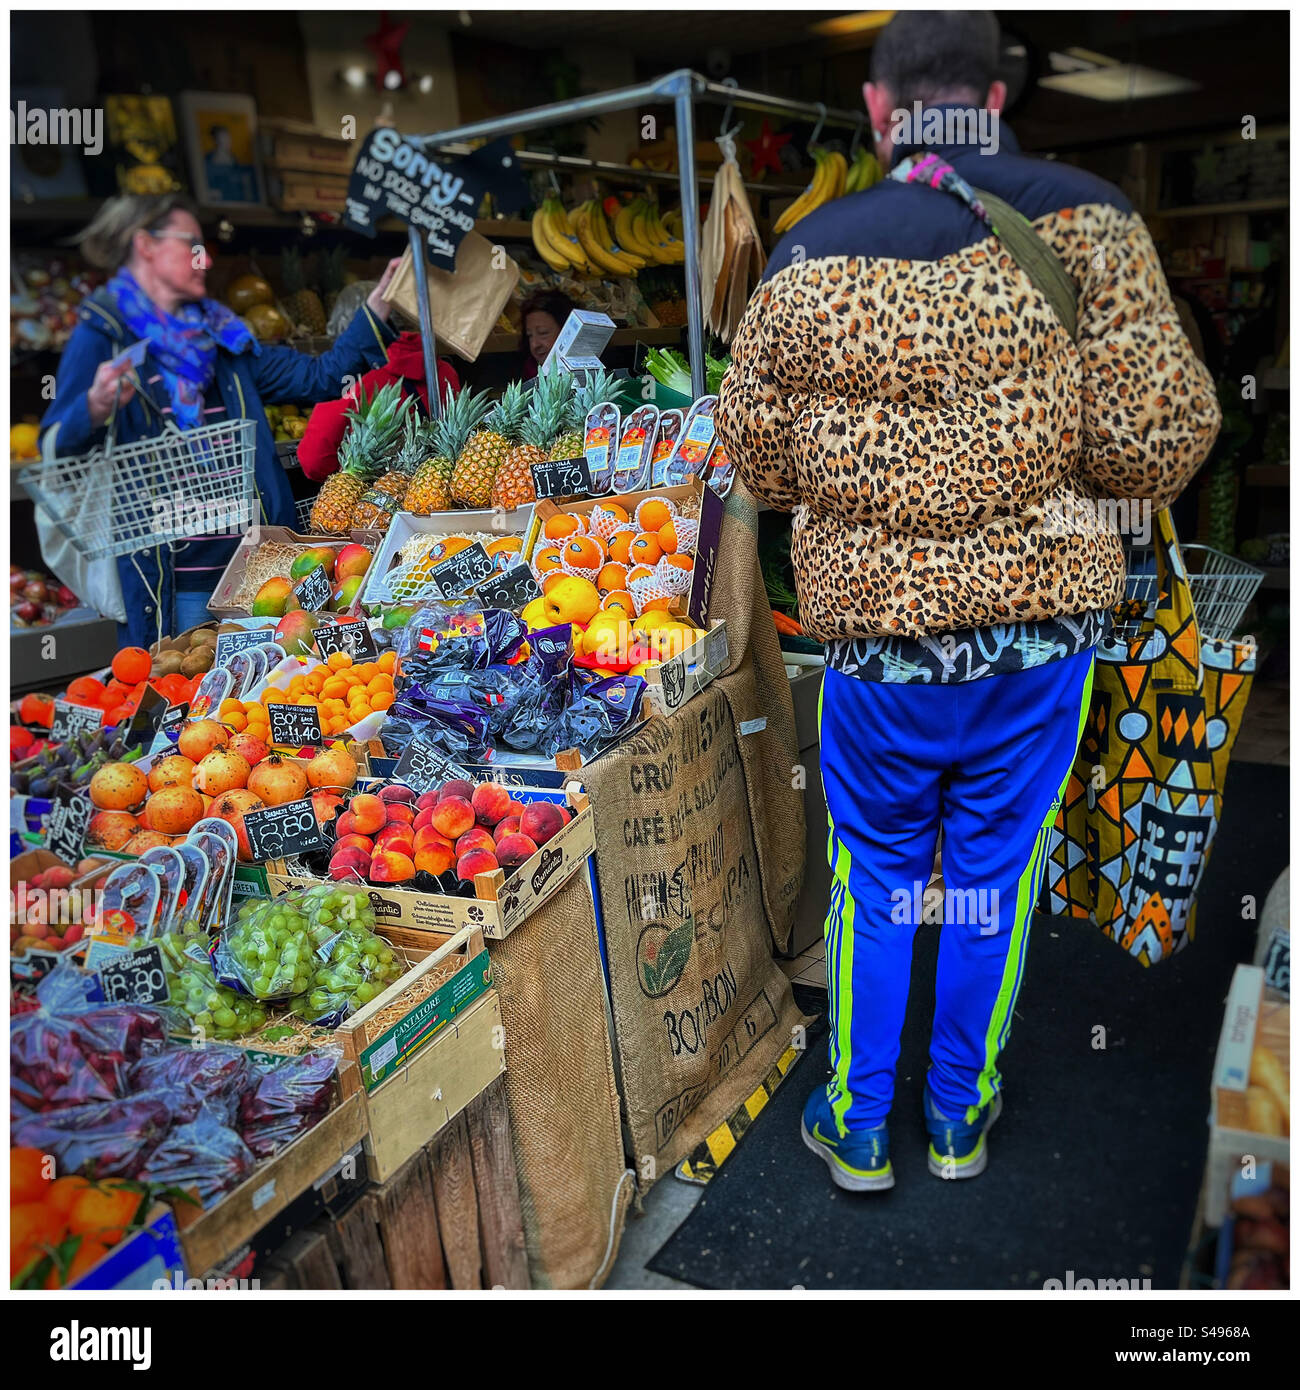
829,174
640,230
556,242
592,227
863,172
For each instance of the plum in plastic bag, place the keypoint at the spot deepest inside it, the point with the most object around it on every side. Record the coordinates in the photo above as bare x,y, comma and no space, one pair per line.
204,1154
110,1140
287,1101
191,1079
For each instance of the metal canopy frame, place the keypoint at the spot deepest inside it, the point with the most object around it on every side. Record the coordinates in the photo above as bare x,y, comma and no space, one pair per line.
683,89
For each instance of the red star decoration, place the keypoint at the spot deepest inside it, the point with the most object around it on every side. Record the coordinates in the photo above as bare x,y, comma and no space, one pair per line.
766,150
386,44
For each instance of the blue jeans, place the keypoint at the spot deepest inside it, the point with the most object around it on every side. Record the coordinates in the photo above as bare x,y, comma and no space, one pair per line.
191,609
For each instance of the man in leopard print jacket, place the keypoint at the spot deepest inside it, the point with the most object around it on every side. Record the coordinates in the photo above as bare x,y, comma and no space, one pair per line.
956,464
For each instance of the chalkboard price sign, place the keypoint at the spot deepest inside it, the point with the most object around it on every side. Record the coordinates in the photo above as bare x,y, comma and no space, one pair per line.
228,643
70,719
276,832
172,718
294,726
511,590
466,569
423,766
135,979
65,826
562,478
353,638
313,590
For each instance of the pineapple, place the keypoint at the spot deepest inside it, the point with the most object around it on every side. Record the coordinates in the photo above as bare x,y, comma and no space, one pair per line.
376,508
430,489
486,449
598,388
303,304
548,411
372,428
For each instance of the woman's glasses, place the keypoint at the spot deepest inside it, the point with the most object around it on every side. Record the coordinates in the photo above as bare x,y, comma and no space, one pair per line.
182,236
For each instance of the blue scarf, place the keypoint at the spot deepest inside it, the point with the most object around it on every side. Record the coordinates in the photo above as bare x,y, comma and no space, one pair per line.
184,344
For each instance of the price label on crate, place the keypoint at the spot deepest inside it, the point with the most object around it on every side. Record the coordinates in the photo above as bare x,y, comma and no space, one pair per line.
465,569
512,590
228,643
423,766
65,826
135,979
280,831
70,719
313,590
353,638
562,477
294,726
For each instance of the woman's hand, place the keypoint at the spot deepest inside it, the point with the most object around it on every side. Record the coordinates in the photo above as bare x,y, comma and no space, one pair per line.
102,394
377,304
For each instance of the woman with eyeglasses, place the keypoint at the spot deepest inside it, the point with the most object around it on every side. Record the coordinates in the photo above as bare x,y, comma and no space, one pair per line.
201,366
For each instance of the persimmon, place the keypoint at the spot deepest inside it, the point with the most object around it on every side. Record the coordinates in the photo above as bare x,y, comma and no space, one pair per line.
132,664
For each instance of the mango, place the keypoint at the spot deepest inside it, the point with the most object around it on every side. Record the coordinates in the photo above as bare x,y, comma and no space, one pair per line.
272,599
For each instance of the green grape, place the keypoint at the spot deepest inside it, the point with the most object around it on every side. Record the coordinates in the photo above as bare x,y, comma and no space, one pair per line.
224,1018
365,993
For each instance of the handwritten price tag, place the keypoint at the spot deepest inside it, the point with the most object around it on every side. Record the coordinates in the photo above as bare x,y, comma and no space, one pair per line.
65,828
353,638
562,478
294,726
228,643
136,979
276,832
423,766
70,719
512,590
463,571
313,590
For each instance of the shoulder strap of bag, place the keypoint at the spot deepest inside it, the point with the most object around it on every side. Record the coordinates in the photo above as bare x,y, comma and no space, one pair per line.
1013,229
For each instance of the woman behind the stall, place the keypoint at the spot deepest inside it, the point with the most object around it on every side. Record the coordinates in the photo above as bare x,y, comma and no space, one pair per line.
201,366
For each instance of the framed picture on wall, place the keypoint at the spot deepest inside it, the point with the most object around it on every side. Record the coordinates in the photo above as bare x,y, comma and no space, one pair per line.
221,142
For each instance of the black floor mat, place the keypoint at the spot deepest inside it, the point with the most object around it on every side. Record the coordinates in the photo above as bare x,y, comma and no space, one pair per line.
1096,1163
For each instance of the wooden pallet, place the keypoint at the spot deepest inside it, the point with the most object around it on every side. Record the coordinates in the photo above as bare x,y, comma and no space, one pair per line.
448,1218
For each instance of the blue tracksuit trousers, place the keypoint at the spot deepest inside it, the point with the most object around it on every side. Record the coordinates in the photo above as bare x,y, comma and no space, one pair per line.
984,761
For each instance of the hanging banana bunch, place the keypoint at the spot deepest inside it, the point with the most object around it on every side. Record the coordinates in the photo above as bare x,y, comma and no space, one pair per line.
829,173
863,172
592,229
555,241
641,230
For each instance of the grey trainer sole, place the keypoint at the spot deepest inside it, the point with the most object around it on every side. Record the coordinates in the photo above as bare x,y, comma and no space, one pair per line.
850,1182
952,1169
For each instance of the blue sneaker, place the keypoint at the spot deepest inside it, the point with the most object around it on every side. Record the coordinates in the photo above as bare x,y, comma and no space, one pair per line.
859,1162
958,1150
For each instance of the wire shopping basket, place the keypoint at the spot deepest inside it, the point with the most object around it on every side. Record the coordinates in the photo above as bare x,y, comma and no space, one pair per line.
123,498
1222,587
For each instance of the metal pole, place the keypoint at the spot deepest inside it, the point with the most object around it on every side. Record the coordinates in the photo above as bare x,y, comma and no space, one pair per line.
684,103
427,341
719,93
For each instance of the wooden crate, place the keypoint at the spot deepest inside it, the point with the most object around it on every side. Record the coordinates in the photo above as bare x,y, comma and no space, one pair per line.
407,1110
448,1218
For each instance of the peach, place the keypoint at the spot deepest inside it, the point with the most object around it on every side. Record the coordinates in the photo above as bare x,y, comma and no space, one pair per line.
426,801
396,837
326,805
389,866
399,813
540,821
346,824
514,849
426,837
475,838
517,808
477,861
458,787
361,842
58,876
491,803
397,792
453,817
508,826
435,859
368,812
422,819
349,864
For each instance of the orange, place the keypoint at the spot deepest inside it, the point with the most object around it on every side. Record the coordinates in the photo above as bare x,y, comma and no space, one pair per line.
132,665
556,528
681,562
105,1209
653,514
620,512
667,537
584,552
612,576
89,1253
63,1192
507,545
29,1176
645,549
383,700
620,601
547,558
619,544
32,1225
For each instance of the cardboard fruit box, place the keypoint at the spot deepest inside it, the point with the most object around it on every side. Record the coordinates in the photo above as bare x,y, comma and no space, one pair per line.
228,586
707,507
503,899
670,685
151,1255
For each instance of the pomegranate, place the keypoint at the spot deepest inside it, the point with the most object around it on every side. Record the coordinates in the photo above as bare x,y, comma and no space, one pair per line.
200,737
232,807
118,787
171,771
110,830
145,839
249,747
174,809
221,771
277,779
332,767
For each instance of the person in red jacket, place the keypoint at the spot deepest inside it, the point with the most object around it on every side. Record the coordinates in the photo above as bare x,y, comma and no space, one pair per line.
318,449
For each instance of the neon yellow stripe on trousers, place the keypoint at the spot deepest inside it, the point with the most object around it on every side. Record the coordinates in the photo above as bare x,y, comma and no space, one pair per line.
1026,895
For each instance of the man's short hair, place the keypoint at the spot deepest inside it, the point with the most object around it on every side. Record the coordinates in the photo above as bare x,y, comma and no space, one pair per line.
922,54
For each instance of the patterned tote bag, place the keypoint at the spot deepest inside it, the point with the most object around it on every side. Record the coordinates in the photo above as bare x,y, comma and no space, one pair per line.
1140,810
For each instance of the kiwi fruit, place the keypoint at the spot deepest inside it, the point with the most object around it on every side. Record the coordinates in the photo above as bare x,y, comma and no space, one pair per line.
203,637
167,664
197,660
